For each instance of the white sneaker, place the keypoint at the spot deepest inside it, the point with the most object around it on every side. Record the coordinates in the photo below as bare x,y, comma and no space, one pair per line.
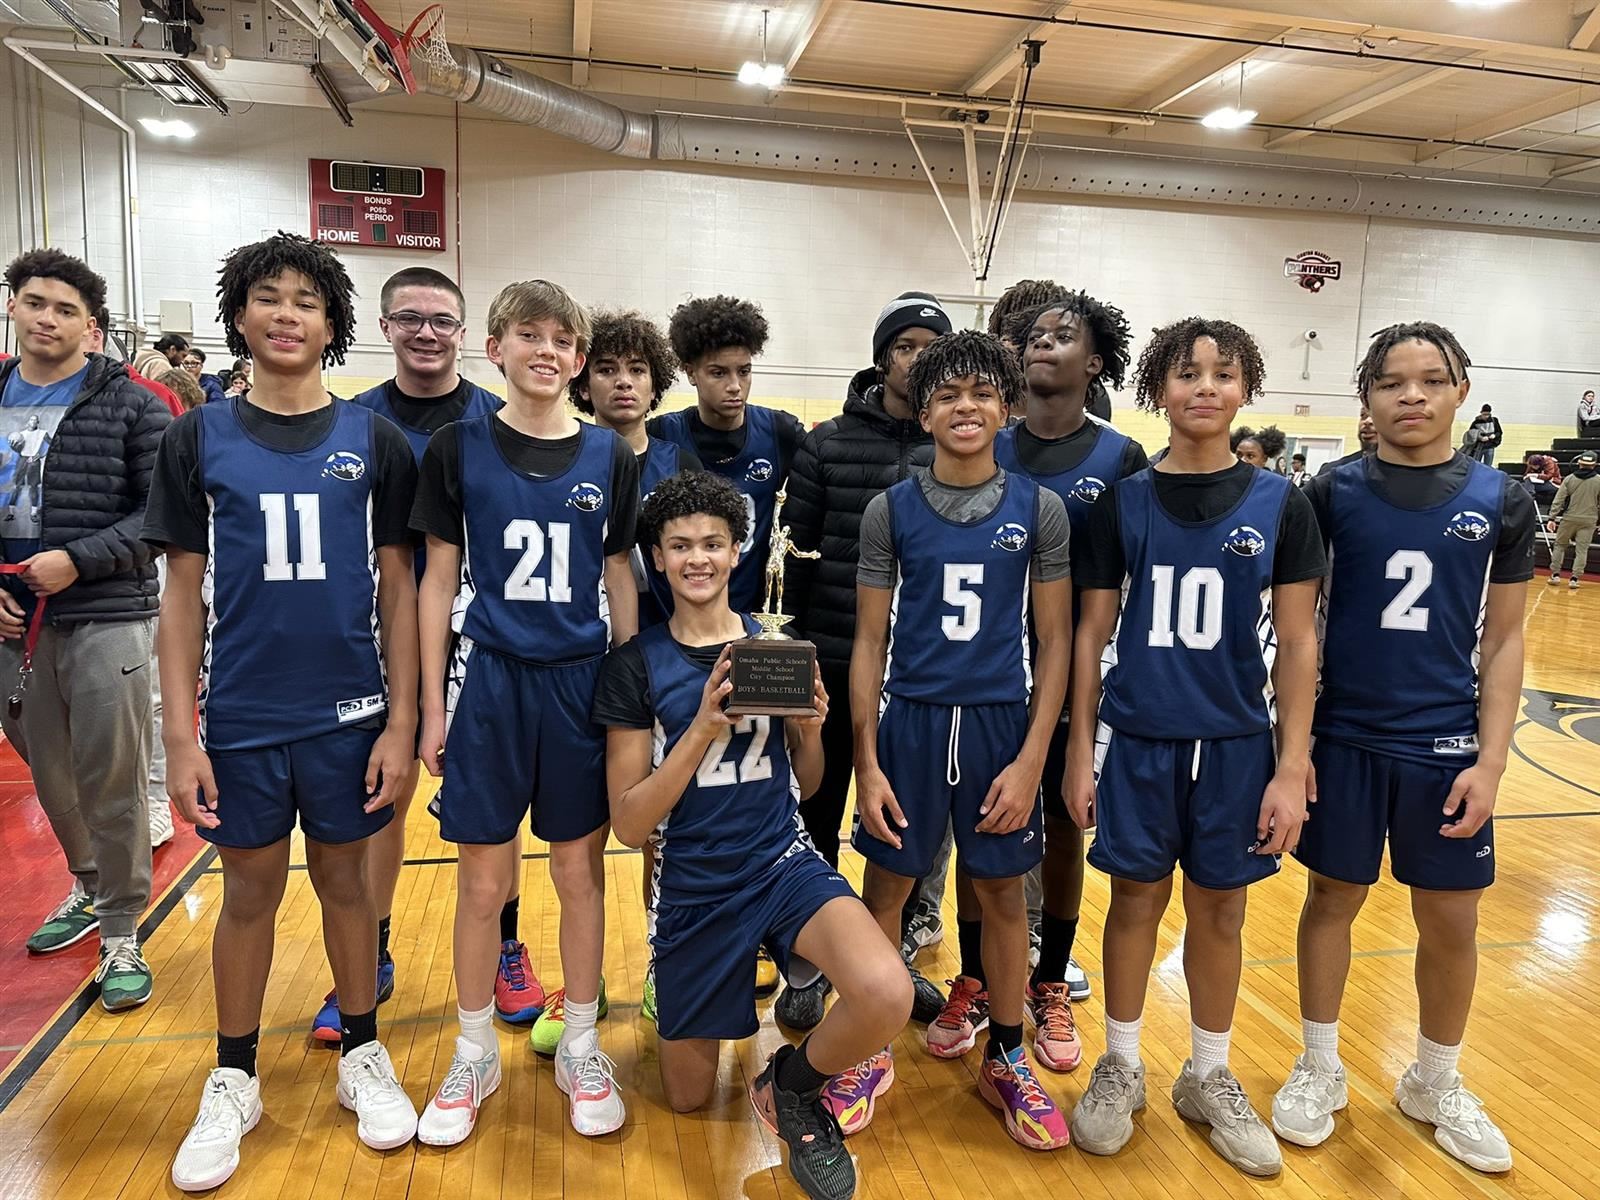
589,1079
161,830
1077,980
1302,1111
453,1112
1237,1133
385,1116
229,1109
1459,1123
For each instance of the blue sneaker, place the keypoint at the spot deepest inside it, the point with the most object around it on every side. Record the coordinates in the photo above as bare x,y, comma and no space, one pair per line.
326,1026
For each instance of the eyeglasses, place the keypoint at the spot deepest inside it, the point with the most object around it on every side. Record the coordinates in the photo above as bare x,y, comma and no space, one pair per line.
411,322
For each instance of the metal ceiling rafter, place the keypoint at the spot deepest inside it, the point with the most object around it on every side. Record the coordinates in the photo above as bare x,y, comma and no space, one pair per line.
1009,57
1498,126
819,13
582,40
1180,84
1390,87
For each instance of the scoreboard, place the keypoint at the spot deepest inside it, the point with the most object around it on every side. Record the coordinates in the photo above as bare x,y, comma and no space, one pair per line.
377,204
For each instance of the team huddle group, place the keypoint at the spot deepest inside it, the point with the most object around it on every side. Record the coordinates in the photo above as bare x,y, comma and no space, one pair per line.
538,610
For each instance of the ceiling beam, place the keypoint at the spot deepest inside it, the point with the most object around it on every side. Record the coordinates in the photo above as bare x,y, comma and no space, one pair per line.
1493,127
1175,87
1588,33
1387,89
819,14
1007,58
582,28
1575,168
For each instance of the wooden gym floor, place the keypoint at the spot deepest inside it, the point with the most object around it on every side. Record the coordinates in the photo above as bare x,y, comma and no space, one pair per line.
98,1103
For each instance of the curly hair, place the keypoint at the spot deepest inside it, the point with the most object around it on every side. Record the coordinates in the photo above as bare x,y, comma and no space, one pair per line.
1107,326
249,265
1022,295
1270,438
54,264
616,335
710,323
958,355
687,494
1173,344
1456,361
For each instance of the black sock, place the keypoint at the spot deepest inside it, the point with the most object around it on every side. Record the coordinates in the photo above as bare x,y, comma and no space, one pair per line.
383,940
796,1074
1055,947
508,920
1003,1038
359,1029
970,935
238,1052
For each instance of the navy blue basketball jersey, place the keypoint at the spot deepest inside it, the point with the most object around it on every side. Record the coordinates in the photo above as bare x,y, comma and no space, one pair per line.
958,622
1403,616
480,403
291,585
740,813
755,471
532,584
1080,487
661,460
1192,654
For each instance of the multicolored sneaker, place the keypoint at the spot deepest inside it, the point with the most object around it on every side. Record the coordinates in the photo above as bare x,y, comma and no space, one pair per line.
964,1016
589,1080
327,1027
518,995
647,1002
766,973
552,1022
852,1095
124,976
818,1159
453,1112
71,921
1032,1118
1055,1034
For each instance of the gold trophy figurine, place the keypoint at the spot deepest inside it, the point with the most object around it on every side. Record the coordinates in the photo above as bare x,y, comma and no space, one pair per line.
772,673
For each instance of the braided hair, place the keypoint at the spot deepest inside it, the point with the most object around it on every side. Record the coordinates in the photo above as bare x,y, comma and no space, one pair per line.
1174,344
1107,327
249,265
1455,358
959,355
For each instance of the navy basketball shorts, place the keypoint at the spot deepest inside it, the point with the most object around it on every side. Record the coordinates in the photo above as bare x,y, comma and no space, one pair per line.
322,780
518,740
1365,798
1161,804
941,760
703,947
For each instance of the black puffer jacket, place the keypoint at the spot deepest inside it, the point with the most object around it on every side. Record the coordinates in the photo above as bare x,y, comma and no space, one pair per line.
843,464
96,479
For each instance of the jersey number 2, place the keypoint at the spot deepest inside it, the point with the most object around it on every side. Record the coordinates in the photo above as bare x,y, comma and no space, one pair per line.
528,537
1403,612
308,507
714,772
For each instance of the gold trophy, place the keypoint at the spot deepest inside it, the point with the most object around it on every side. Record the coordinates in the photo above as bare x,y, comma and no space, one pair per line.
772,673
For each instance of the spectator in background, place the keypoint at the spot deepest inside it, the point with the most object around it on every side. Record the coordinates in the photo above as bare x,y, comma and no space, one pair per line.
241,366
1541,476
173,346
194,362
185,386
1489,435
146,365
1588,416
1298,475
238,383
1573,515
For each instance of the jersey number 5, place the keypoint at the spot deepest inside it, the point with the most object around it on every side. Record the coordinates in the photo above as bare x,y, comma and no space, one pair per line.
714,772
962,625
528,537
1403,612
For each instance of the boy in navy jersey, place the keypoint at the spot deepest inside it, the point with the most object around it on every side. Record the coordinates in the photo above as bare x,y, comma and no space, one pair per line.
952,561
1216,566
422,320
719,792
529,515
1421,673
290,597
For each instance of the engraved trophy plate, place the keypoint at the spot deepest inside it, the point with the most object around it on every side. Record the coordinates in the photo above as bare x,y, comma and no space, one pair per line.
772,674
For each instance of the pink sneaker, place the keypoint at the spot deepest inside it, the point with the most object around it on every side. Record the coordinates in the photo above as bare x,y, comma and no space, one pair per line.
851,1095
964,1016
1055,1034
1032,1118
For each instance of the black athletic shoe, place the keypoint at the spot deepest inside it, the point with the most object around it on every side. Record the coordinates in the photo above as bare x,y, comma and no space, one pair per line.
818,1159
802,1008
927,1001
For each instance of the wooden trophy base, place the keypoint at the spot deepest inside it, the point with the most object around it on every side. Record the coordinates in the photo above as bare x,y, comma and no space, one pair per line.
772,677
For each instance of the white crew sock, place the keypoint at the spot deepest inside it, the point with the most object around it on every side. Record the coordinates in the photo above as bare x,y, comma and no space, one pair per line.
580,1019
1207,1050
1322,1044
1122,1039
478,1028
1437,1064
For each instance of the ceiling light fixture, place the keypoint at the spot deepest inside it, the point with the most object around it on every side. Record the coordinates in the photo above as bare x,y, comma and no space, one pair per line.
1231,116
766,74
157,127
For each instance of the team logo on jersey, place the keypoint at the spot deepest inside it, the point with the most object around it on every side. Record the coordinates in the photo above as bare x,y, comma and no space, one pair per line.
1245,541
586,497
1469,526
759,470
1464,744
1087,490
344,464
1010,536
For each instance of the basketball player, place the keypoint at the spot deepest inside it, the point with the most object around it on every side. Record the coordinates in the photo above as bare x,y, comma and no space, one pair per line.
290,588
951,562
529,515
1422,670
720,792
716,338
422,314
1216,565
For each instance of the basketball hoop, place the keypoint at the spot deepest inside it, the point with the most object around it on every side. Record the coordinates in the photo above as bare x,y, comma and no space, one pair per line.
424,40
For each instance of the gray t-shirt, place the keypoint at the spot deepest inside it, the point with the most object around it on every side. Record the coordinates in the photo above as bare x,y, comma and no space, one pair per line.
878,569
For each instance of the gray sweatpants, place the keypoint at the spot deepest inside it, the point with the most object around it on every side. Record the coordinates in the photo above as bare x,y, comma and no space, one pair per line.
85,733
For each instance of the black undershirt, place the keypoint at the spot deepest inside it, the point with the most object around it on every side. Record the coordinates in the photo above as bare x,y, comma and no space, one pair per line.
1056,456
429,413
716,446
622,692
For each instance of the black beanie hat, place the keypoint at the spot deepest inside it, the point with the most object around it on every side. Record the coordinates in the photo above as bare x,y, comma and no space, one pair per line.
908,310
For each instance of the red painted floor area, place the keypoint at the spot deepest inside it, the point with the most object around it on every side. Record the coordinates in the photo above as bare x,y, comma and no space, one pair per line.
33,988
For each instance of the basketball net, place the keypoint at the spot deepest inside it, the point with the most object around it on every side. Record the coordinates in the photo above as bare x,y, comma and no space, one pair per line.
424,40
